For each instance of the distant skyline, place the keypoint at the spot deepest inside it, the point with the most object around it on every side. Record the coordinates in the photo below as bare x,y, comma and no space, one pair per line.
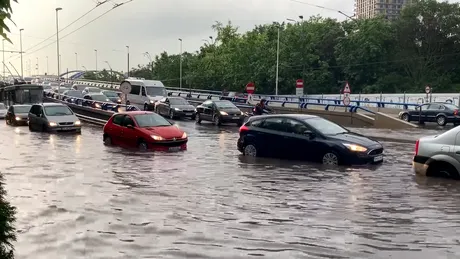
150,26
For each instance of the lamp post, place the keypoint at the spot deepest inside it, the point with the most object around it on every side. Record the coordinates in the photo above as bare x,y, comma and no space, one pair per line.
95,51
20,43
127,47
76,61
180,65
37,67
3,43
57,46
47,67
277,61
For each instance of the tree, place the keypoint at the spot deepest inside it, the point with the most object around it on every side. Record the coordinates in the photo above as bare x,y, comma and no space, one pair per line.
5,13
7,230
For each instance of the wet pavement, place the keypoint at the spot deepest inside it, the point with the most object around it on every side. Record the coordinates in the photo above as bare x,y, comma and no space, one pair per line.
77,198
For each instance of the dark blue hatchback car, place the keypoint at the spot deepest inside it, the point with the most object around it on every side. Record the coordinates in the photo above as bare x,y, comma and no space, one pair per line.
306,137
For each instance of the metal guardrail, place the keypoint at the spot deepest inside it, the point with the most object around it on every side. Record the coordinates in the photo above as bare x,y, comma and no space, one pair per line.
91,119
113,107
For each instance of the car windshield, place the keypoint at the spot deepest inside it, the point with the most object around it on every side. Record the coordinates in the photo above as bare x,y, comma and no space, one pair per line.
178,101
155,91
151,120
94,90
225,105
75,94
21,109
325,127
57,111
2,106
111,94
100,97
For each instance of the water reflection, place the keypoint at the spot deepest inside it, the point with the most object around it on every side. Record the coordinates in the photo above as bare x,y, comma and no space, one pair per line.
205,203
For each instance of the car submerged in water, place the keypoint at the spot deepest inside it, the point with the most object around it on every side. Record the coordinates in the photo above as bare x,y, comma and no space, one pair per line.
306,137
144,130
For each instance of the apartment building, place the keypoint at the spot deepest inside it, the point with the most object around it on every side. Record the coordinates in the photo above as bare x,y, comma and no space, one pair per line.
370,8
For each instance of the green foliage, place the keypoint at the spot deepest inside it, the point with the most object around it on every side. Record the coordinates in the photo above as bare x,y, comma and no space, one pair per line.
7,230
374,55
104,75
5,13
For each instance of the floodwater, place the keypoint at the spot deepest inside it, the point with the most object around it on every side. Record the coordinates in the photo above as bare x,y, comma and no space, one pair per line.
77,198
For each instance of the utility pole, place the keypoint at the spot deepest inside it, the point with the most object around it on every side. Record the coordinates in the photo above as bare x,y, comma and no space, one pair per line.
180,66
20,43
277,61
57,46
127,47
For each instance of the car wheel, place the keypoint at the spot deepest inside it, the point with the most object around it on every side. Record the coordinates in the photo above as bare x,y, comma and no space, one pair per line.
30,127
107,140
198,118
442,170
330,158
405,117
250,150
171,114
441,120
146,107
216,120
143,146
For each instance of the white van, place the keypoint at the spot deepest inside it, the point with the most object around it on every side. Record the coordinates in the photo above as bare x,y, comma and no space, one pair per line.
145,92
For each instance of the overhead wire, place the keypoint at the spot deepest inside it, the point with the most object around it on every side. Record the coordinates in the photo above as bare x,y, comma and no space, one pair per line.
84,25
72,23
318,6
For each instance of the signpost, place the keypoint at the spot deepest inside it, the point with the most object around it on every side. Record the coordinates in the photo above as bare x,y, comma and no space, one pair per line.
299,87
250,88
125,88
346,94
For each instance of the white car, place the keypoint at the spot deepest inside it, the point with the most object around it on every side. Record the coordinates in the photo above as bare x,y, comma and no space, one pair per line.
3,111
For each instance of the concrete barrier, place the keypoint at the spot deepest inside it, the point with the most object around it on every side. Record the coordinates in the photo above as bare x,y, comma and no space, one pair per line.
385,121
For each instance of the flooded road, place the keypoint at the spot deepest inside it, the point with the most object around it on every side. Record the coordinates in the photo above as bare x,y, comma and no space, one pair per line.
77,198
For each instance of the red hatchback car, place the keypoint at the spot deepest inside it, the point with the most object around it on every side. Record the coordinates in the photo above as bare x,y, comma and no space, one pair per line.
144,130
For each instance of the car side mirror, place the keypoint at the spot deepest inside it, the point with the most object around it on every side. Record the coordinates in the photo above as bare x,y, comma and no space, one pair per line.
309,134
130,126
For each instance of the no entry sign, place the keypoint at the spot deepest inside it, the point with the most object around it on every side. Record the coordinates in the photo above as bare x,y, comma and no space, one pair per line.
299,87
250,88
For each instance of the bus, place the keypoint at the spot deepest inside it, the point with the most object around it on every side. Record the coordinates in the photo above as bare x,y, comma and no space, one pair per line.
21,94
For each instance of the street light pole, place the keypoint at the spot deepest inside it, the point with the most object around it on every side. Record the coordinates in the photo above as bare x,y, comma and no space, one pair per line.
37,68
180,66
3,43
95,51
57,46
20,43
277,61
76,61
47,67
127,47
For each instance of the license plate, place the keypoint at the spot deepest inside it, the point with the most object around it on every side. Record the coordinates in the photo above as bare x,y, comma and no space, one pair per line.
188,114
67,129
174,148
378,158
236,117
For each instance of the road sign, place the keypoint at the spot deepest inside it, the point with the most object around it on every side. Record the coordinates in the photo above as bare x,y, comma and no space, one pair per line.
346,100
299,87
346,89
125,87
427,89
250,88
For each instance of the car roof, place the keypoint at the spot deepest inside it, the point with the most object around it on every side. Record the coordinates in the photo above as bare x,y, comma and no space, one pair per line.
291,116
51,104
136,112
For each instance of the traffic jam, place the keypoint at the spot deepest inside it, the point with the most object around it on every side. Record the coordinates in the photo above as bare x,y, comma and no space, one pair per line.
262,133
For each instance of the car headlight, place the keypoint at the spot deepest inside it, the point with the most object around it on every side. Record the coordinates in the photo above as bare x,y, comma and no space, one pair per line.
53,124
119,100
152,101
18,119
177,109
155,137
77,123
242,113
184,135
97,105
223,113
355,148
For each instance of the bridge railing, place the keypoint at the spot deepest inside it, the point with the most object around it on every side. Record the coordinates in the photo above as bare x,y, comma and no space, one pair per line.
113,107
283,100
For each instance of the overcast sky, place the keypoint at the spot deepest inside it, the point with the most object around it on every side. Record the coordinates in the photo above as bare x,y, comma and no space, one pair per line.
144,25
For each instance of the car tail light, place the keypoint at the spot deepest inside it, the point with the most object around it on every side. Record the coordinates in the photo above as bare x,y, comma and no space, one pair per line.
243,128
455,112
416,146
